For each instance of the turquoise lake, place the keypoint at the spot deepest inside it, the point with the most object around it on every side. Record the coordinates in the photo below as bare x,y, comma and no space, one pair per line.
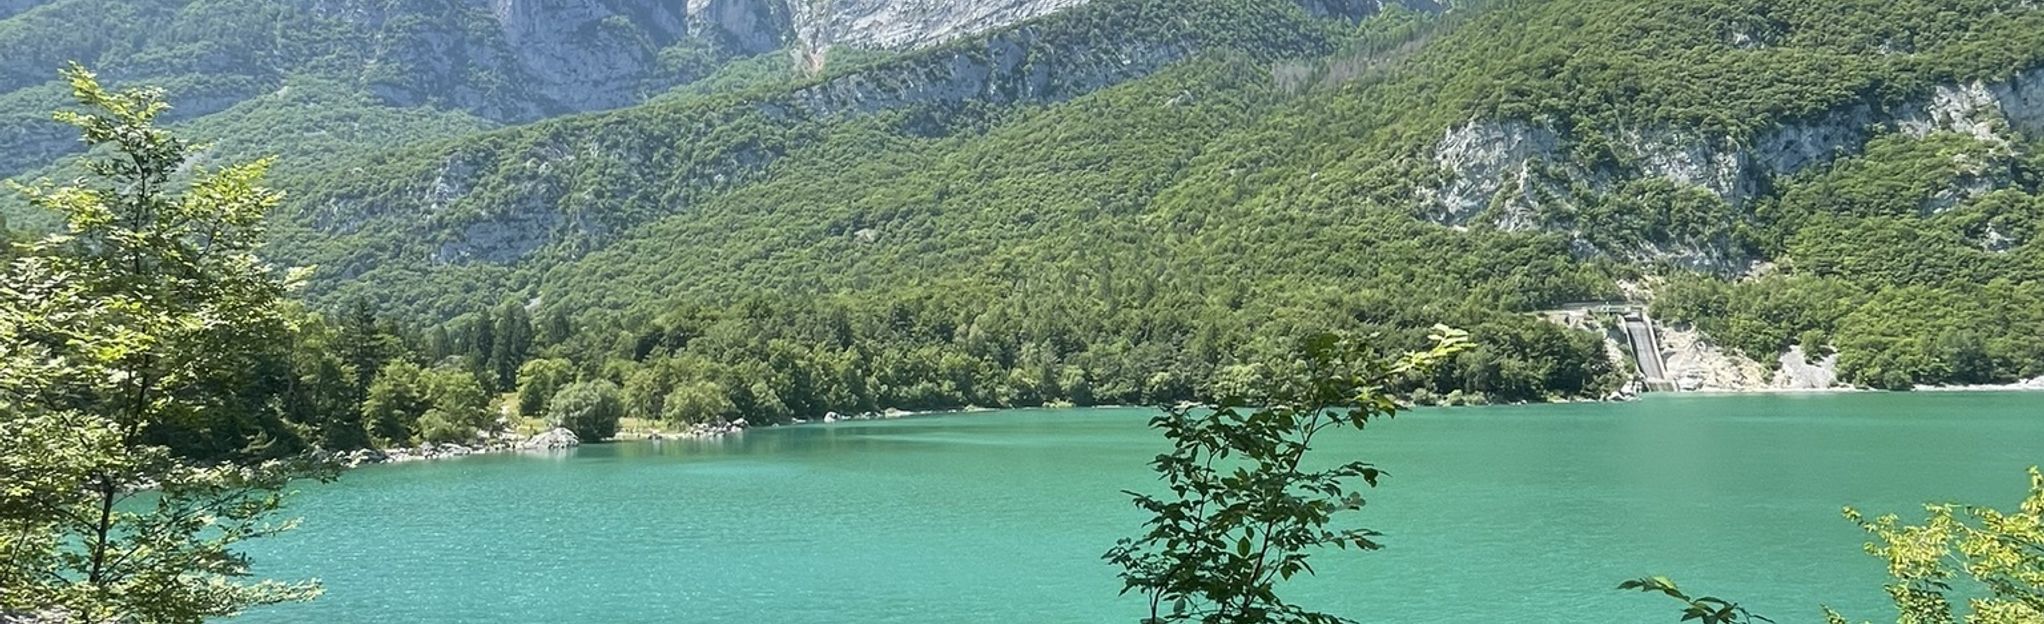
1496,514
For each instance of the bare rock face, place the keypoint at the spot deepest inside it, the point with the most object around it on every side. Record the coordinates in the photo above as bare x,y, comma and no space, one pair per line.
588,54
10,7
1799,372
1014,66
909,23
552,440
581,55
1489,162
1506,172
521,60
1695,363
1034,62
563,56
745,26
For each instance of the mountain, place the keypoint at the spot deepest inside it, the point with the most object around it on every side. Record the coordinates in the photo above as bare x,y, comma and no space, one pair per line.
504,61
655,160
1012,198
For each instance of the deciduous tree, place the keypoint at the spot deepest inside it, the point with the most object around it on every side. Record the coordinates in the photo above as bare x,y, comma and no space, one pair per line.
590,409
1242,512
150,310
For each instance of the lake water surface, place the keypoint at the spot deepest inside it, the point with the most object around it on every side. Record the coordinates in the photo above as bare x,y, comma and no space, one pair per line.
1497,514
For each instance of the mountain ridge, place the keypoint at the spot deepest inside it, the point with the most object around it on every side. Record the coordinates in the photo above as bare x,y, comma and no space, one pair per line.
1074,54
509,61
1128,188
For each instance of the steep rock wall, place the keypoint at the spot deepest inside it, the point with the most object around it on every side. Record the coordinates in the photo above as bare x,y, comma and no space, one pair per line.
1016,66
908,23
1040,62
588,54
10,7
744,26
1507,172
512,60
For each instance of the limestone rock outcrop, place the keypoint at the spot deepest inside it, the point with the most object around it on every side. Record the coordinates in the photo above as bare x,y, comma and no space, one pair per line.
551,440
1508,173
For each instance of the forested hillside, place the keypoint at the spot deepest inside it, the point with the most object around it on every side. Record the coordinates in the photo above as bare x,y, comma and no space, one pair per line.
1128,199
999,242
307,75
373,59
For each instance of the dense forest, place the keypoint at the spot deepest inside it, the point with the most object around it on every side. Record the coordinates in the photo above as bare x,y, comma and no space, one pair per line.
1882,261
150,341
1124,202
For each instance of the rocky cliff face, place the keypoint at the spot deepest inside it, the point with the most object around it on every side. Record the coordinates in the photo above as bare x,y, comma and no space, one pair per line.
743,26
581,55
1015,66
1056,59
1510,173
523,60
588,54
10,7
561,56
1028,63
908,23
513,60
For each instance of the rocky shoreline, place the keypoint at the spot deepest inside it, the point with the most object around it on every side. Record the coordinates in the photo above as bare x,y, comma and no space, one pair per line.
550,440
555,439
1799,381
695,432
2032,385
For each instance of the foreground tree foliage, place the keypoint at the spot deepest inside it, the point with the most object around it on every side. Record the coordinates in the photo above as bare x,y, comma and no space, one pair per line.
2001,553
150,312
1243,514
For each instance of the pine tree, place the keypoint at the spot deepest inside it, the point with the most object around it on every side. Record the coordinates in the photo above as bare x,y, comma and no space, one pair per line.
513,344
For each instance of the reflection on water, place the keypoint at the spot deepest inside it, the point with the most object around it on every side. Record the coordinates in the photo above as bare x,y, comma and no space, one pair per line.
1492,514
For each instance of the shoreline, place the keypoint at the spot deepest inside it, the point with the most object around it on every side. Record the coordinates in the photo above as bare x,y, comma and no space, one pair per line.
561,439
2033,385
1775,390
504,442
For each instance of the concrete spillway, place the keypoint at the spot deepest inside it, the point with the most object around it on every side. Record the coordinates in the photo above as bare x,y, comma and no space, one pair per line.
1639,335
1646,348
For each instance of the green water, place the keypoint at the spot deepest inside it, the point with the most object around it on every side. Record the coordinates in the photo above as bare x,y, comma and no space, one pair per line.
1507,514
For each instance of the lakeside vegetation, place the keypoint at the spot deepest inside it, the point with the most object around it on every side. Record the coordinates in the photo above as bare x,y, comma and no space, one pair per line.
1212,198
134,346
1131,244
708,258
1965,563
1917,262
1071,248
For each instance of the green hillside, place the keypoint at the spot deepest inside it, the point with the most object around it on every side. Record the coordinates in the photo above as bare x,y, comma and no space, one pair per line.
1112,203
368,59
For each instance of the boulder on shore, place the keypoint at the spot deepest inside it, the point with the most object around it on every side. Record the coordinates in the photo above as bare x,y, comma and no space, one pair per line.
44,617
552,440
